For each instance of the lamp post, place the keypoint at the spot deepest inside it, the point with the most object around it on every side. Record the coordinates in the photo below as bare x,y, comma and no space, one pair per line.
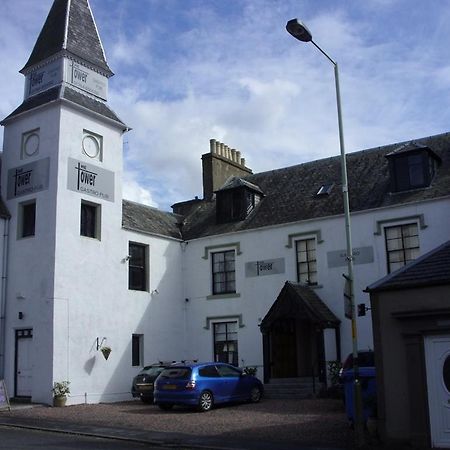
298,30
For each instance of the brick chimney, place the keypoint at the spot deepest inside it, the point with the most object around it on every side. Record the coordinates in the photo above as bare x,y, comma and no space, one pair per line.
221,163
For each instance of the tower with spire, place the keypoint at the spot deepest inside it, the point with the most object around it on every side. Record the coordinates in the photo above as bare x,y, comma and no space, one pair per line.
61,181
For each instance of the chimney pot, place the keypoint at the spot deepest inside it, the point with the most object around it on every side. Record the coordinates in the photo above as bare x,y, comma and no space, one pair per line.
243,161
233,155
222,149
238,157
212,145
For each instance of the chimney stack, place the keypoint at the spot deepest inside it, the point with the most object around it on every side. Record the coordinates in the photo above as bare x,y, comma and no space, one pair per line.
221,163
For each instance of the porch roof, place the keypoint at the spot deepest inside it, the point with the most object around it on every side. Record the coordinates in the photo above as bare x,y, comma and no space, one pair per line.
299,301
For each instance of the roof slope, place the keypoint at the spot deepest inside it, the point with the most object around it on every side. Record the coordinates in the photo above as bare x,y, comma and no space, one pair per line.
71,95
430,269
145,219
69,26
290,193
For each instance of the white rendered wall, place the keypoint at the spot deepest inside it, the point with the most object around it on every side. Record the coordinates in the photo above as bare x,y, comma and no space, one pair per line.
92,299
31,260
257,294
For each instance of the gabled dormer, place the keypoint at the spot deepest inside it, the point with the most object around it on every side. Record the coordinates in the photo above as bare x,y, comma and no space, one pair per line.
236,199
412,166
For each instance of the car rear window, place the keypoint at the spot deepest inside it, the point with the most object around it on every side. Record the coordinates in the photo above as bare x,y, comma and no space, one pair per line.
365,359
178,372
152,370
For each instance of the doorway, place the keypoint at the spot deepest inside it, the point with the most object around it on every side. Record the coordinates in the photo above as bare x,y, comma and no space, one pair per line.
23,363
437,359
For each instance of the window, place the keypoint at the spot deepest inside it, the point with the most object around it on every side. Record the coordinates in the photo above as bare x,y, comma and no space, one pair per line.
137,347
226,343
223,268
27,219
90,220
306,261
402,245
412,170
137,267
208,372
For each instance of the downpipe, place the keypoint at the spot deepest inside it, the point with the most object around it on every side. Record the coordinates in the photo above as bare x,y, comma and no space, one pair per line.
3,297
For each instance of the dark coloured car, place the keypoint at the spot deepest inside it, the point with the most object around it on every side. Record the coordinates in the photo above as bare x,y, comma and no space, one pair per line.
143,382
204,385
366,358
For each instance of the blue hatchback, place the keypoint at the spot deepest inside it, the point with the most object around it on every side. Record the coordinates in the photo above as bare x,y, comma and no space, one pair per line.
205,384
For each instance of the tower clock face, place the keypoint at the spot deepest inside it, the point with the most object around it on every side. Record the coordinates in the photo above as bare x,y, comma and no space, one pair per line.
31,144
91,146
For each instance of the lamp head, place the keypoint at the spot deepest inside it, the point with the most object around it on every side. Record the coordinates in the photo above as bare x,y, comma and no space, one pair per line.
299,30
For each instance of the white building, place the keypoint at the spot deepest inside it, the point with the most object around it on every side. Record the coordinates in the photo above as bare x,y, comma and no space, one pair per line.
251,274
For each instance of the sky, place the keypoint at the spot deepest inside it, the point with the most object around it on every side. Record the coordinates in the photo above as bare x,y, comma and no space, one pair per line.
187,71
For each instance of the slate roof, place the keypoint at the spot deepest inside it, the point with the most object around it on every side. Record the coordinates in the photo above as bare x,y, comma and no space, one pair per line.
290,193
66,93
299,301
78,35
430,269
145,219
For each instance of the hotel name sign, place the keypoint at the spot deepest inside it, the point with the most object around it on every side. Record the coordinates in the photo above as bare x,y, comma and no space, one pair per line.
54,73
91,180
28,179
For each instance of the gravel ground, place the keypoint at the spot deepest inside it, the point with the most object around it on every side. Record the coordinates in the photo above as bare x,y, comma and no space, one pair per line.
319,422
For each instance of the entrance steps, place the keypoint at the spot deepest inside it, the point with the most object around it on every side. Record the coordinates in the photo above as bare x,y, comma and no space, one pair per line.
294,388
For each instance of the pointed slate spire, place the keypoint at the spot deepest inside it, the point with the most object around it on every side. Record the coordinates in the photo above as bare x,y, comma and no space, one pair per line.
70,28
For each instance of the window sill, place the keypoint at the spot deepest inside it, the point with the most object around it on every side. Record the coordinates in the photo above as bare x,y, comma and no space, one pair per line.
220,296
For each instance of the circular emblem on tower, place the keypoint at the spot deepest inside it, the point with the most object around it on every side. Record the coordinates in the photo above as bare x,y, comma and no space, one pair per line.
91,146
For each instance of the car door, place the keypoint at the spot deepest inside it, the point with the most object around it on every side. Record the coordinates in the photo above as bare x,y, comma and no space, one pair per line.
231,382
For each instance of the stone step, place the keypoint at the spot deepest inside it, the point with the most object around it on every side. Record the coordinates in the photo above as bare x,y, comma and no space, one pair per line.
296,388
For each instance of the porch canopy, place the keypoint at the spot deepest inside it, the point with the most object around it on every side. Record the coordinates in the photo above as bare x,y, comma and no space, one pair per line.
299,301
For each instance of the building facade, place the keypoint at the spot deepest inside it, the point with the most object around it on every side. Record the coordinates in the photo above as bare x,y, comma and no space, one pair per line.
251,274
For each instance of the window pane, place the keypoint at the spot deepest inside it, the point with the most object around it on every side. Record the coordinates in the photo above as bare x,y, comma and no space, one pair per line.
223,272
137,267
402,245
28,219
88,223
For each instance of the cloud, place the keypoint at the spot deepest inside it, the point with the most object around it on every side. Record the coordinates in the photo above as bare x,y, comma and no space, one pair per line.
190,70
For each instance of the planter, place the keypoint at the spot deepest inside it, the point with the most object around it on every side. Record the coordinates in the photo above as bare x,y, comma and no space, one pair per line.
59,401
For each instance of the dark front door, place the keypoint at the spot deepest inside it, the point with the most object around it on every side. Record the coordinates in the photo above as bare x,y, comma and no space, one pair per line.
283,346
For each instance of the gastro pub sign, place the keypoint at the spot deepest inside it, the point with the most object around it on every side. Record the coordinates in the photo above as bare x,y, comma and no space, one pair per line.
91,180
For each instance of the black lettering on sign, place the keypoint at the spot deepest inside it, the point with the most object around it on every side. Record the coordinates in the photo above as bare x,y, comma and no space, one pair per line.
85,177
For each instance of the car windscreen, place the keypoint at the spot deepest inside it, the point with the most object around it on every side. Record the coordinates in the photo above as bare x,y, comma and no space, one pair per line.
177,372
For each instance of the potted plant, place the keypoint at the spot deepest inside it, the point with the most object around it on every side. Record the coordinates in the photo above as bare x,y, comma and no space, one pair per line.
60,391
106,351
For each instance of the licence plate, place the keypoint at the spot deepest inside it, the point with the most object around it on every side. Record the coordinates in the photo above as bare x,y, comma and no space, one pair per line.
169,387
144,387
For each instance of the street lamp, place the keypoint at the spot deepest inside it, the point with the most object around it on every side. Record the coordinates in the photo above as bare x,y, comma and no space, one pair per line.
301,32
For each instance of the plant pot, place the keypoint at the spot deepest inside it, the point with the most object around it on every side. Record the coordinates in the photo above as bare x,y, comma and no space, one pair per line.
106,351
59,401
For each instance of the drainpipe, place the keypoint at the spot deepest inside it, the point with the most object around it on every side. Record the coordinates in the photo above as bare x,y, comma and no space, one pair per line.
3,297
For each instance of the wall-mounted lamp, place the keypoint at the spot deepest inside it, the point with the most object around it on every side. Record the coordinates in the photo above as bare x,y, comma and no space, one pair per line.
99,343
127,258
154,292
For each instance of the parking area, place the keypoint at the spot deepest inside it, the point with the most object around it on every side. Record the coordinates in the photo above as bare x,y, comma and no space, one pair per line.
272,423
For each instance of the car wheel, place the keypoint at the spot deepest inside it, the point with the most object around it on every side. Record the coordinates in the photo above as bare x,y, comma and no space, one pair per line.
255,395
206,401
165,406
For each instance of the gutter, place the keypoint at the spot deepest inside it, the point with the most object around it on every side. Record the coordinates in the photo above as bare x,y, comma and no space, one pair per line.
3,297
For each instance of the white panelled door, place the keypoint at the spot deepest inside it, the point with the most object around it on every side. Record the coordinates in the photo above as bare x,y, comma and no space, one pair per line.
437,357
24,373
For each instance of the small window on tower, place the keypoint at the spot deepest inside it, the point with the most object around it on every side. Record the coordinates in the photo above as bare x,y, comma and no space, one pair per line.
90,220
92,145
27,219
30,144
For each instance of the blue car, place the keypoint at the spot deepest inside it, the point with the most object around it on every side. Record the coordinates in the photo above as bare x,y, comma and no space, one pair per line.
204,385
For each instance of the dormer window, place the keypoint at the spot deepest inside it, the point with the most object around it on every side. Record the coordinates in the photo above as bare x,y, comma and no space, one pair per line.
236,199
412,167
